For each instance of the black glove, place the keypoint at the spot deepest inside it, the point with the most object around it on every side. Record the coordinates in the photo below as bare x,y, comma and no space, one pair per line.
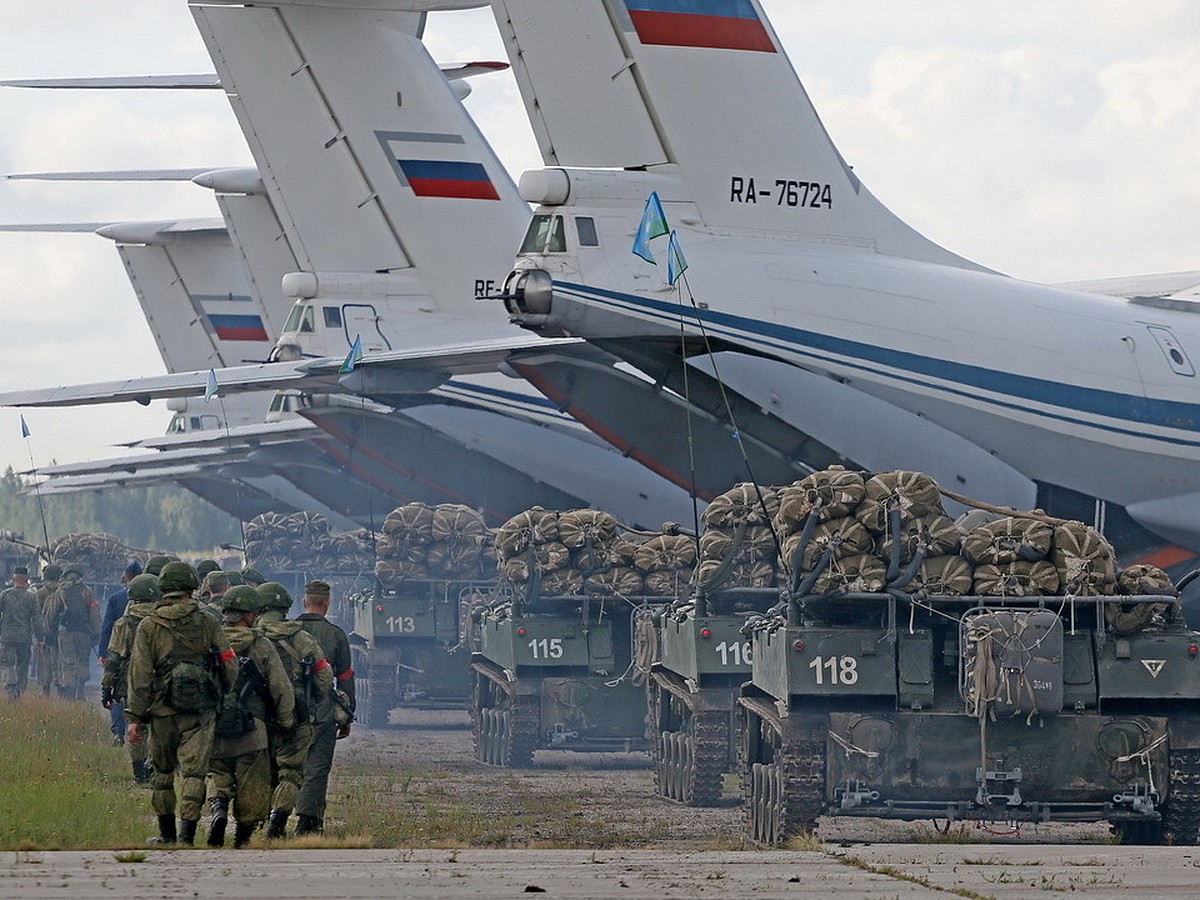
107,697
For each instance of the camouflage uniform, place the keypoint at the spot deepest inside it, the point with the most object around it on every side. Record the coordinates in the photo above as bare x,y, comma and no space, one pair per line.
47,649
177,632
298,650
114,683
240,766
75,615
20,623
310,803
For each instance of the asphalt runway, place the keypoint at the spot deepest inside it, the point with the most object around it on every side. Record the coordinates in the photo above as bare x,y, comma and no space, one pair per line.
879,870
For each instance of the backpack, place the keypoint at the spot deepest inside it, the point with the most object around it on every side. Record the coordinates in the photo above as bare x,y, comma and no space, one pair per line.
190,683
300,671
234,715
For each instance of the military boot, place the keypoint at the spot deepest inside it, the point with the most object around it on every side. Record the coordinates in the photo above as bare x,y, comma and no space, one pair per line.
276,825
220,818
166,831
187,831
307,825
13,693
241,833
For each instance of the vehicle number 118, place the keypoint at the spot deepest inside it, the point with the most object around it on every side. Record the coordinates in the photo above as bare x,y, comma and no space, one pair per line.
835,669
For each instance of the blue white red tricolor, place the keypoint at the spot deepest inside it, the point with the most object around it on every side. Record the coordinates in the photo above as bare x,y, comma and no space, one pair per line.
231,327
717,24
447,178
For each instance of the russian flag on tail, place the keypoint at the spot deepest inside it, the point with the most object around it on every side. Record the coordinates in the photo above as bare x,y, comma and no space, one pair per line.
447,178
718,24
238,327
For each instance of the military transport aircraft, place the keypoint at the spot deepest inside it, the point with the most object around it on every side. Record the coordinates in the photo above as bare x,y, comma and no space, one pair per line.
805,293
837,332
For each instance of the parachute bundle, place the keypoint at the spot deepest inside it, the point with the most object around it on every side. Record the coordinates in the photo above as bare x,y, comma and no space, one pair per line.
302,541
584,550
101,557
899,520
417,541
737,546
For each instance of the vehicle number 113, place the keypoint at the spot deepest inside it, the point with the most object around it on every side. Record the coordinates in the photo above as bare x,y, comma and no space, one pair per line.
837,669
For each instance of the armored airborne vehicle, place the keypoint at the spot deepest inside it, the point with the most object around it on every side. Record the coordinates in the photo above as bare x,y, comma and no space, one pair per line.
1018,677
555,665
410,644
701,657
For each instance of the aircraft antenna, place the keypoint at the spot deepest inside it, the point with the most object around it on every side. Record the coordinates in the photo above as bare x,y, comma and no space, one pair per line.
237,485
737,433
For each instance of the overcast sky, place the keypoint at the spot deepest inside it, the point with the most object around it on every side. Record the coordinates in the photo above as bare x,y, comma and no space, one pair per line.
1050,140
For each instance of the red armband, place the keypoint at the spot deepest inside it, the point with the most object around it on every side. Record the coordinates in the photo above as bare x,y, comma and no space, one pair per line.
227,655
349,673
322,663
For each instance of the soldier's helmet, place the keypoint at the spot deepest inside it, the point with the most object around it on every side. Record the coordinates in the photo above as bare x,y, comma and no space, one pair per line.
241,598
143,588
274,595
235,578
177,578
207,565
252,576
72,571
52,572
155,564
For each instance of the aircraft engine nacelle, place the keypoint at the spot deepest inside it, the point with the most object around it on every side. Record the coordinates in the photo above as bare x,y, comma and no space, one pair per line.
528,292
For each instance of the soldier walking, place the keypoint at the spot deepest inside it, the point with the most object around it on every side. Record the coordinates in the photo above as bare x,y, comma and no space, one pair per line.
312,681
180,668
75,614
143,593
20,624
332,718
47,646
114,608
239,770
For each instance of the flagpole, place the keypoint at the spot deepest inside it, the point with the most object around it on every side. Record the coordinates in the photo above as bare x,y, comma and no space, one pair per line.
37,489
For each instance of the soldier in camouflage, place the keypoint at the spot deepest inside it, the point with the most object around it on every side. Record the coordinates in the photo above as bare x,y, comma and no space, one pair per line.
312,679
20,625
212,590
239,770
332,718
75,615
47,646
180,668
144,593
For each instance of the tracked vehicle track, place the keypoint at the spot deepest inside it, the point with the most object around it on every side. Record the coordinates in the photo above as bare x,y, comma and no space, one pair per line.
783,780
690,748
504,724
1181,815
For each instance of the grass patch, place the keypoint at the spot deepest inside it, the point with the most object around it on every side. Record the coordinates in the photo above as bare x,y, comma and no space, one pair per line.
133,856
63,784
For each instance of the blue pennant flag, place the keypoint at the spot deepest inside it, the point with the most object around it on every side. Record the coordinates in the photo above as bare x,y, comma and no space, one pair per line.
211,388
653,224
353,358
24,428
676,263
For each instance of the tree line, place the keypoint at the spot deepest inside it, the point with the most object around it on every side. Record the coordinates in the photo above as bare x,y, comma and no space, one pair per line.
162,515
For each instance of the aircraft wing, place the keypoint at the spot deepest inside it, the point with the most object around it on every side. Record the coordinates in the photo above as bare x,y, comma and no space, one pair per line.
380,374
203,81
258,434
144,462
1163,286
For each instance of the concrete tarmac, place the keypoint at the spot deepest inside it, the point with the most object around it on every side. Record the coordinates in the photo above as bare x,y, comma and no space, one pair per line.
876,870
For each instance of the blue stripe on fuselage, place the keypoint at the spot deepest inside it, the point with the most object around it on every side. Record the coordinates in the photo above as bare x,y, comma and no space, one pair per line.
867,357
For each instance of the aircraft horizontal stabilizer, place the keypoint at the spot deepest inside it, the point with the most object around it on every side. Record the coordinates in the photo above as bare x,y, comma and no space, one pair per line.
202,81
179,174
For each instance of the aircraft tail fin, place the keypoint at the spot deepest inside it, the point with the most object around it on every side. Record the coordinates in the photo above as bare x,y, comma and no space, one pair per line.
370,161
701,90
